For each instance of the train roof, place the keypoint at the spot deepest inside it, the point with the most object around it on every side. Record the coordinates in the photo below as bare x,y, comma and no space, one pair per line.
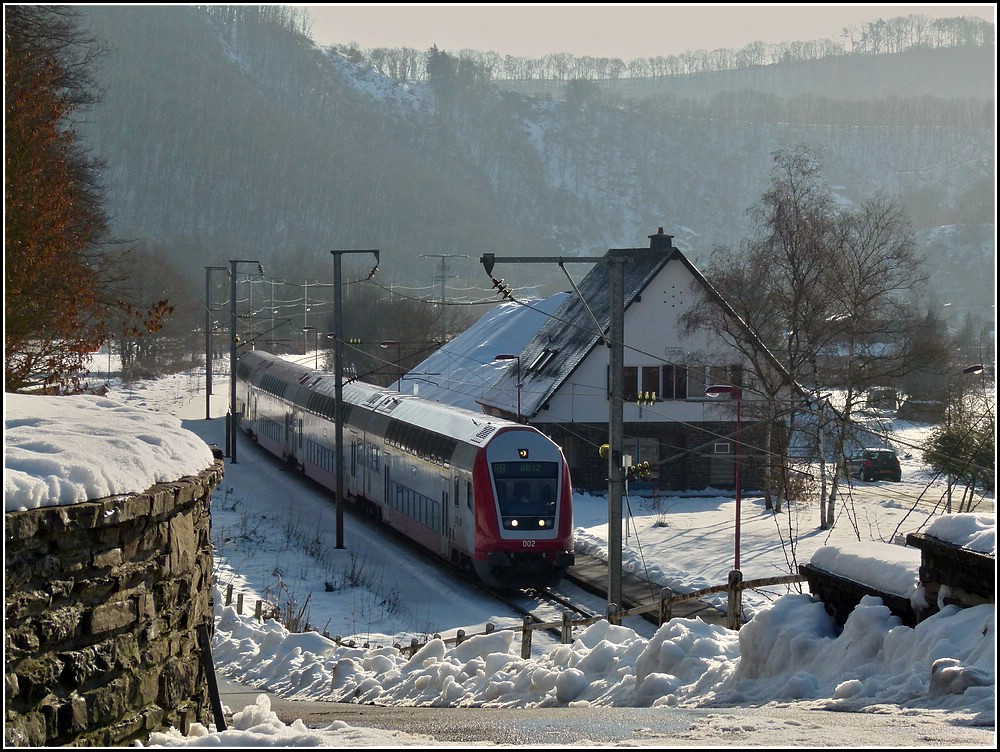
456,422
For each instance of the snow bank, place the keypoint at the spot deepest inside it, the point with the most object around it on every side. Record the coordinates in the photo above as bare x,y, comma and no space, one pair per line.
66,450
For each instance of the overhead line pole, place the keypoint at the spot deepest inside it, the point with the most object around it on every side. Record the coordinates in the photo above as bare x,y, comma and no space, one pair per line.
231,421
338,367
443,278
615,339
208,339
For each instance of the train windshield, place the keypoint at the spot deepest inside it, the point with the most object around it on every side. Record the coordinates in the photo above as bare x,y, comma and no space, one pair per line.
527,492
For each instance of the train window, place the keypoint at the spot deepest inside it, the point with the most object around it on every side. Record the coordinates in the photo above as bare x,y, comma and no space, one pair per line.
526,491
456,491
407,438
468,494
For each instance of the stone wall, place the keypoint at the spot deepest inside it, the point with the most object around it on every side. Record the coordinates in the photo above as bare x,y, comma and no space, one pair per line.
104,600
948,573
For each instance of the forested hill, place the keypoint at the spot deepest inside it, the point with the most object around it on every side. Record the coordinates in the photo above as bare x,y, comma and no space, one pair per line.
227,131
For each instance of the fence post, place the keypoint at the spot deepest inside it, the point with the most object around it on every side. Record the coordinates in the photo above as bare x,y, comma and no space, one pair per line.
239,604
567,628
459,637
666,607
734,617
526,638
414,646
490,626
229,593
612,614
258,609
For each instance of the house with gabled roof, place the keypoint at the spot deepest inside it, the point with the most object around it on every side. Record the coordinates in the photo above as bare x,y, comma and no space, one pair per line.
560,381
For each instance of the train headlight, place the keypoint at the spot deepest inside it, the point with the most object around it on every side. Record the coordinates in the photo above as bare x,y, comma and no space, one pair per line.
522,453
513,523
541,523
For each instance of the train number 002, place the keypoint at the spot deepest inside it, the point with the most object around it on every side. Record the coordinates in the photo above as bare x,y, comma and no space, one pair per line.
528,543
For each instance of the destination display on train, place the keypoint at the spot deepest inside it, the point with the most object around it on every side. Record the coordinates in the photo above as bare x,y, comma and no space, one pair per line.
525,469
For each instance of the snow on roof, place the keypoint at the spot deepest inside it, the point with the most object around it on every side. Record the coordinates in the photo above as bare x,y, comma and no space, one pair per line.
462,371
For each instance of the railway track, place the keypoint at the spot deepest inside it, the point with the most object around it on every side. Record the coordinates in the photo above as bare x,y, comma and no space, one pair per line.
540,606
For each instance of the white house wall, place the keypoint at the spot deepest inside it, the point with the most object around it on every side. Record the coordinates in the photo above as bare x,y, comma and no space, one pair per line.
652,328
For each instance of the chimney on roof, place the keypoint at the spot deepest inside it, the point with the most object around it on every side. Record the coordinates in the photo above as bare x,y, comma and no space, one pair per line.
660,241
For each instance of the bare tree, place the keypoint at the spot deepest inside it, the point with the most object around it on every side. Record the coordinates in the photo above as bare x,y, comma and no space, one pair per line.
828,292
875,326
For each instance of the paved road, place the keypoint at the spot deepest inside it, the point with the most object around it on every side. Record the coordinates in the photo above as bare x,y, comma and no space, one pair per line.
787,726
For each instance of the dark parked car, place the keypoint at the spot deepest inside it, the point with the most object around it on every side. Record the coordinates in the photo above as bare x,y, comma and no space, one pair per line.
874,463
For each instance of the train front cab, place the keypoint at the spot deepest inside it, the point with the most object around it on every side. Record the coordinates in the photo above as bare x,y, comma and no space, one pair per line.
524,514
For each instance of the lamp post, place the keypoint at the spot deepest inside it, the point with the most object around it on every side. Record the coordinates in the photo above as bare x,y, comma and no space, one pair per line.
735,393
399,359
517,375
972,370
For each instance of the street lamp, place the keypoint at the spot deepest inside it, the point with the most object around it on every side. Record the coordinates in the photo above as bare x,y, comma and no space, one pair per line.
399,358
735,393
972,370
518,377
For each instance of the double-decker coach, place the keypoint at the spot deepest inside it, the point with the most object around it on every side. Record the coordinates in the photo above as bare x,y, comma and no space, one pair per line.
491,496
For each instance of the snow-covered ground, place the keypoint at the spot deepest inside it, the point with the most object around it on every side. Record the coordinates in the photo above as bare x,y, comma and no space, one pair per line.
274,538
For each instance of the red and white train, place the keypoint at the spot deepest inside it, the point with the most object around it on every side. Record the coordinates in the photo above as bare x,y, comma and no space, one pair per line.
489,495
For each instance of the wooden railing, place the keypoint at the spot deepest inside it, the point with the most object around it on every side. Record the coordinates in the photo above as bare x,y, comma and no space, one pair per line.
734,587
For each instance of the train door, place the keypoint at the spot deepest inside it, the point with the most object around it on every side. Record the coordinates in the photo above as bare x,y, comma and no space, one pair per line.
385,488
446,517
289,450
456,516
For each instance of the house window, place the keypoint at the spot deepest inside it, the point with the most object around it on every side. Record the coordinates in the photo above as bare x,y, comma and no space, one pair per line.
696,380
630,383
649,451
718,375
651,382
543,359
675,383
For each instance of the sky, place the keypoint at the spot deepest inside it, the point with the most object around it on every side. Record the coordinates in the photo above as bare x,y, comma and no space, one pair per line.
273,538
626,31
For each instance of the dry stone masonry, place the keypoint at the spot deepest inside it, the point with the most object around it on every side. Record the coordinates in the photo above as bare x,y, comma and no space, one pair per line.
104,600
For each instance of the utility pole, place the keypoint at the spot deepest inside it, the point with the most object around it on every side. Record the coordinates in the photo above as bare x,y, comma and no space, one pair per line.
615,339
442,278
338,367
208,338
231,422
